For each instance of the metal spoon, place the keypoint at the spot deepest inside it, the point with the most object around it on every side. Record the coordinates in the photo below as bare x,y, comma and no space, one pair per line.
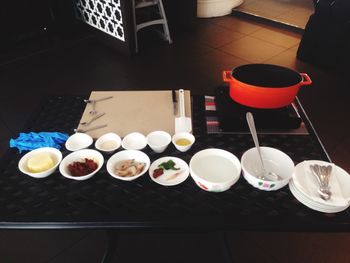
322,174
265,175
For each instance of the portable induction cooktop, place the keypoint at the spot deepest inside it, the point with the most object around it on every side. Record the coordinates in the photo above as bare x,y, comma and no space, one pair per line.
232,115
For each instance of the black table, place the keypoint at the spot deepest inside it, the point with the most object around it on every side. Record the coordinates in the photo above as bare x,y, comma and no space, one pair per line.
56,202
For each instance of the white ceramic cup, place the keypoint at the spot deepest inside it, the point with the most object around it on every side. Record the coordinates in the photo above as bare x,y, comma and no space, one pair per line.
158,141
183,135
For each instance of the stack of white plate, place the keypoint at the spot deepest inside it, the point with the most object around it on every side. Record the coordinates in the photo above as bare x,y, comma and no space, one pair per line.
304,187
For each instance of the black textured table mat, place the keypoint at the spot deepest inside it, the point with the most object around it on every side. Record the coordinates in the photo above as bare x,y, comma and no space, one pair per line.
102,201
232,115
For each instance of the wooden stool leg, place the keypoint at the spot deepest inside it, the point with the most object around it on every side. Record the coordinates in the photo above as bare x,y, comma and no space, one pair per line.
135,26
165,24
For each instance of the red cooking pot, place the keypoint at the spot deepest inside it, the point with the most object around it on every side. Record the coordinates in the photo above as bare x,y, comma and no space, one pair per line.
264,86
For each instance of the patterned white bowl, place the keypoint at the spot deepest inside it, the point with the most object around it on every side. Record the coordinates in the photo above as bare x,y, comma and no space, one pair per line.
215,170
275,161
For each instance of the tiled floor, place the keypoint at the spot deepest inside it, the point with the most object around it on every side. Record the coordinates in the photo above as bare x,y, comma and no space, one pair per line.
292,12
195,61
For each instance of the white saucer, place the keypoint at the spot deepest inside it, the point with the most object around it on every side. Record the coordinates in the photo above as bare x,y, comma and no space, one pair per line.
166,178
312,204
307,185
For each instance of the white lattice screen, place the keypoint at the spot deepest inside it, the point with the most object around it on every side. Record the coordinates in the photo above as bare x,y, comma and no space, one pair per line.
104,15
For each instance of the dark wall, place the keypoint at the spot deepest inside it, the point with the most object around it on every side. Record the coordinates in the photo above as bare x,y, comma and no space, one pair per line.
326,40
23,19
181,14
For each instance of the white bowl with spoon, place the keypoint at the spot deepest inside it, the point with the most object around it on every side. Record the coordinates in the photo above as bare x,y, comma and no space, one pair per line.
274,160
274,169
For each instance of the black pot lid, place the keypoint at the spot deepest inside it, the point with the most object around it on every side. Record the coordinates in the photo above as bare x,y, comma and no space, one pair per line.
266,75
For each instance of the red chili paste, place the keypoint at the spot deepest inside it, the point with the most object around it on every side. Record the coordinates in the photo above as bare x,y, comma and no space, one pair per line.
158,172
82,168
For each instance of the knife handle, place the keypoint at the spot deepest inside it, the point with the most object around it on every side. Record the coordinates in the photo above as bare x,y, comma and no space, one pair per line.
173,93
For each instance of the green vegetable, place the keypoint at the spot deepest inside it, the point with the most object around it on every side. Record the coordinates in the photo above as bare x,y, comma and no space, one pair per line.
169,165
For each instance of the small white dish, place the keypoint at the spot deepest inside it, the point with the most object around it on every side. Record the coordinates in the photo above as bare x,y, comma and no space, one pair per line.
158,141
108,142
170,177
134,141
79,156
339,183
215,170
127,155
78,141
183,141
275,161
312,204
55,155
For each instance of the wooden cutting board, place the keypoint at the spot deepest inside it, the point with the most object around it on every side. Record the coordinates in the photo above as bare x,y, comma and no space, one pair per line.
134,111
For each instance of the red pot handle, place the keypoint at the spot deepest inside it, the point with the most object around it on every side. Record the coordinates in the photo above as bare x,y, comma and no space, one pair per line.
224,76
306,79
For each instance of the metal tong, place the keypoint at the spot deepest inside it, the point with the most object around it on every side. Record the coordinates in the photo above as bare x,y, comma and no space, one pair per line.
86,123
322,174
91,129
93,103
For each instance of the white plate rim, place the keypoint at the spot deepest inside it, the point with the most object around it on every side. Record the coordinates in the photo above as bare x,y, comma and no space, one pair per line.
309,203
306,162
179,162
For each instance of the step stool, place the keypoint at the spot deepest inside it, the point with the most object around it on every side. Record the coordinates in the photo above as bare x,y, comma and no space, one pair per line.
161,20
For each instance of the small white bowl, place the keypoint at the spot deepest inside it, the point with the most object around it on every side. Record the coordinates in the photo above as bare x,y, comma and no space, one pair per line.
134,141
79,156
78,141
55,155
215,170
158,141
108,142
127,155
275,161
183,135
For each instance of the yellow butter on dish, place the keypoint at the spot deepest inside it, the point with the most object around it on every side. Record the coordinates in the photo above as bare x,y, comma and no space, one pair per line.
40,162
